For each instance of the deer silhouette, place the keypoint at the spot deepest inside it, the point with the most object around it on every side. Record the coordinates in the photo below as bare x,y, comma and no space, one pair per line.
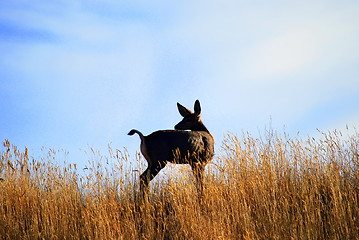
194,147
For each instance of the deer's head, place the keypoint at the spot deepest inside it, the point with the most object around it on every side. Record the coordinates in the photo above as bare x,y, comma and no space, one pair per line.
191,120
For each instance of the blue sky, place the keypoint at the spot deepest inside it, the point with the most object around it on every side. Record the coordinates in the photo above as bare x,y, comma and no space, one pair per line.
83,73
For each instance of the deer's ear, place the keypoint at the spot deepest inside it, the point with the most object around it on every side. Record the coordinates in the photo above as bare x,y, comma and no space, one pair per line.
183,111
197,108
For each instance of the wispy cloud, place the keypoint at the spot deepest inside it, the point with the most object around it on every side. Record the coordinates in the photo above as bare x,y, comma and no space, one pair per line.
86,83
13,32
87,71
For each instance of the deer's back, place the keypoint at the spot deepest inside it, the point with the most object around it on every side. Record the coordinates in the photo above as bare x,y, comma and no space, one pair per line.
180,146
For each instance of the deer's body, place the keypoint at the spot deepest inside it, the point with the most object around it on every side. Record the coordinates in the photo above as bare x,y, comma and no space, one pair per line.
195,147
177,146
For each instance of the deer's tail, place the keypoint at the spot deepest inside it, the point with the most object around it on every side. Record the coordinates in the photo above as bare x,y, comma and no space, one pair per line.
133,131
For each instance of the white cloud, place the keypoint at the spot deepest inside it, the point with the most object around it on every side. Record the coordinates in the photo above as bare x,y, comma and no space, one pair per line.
256,62
283,55
245,62
316,45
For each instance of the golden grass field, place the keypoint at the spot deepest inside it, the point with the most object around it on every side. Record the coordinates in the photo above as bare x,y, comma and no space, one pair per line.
274,187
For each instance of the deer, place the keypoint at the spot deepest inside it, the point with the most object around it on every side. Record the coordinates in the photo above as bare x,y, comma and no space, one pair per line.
180,146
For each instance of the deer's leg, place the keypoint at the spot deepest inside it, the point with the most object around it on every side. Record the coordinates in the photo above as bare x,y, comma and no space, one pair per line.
198,171
145,181
152,170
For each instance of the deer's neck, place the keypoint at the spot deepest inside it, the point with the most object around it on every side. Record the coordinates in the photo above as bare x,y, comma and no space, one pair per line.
201,127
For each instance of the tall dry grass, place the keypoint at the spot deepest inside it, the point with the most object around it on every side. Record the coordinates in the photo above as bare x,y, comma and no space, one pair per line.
275,187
